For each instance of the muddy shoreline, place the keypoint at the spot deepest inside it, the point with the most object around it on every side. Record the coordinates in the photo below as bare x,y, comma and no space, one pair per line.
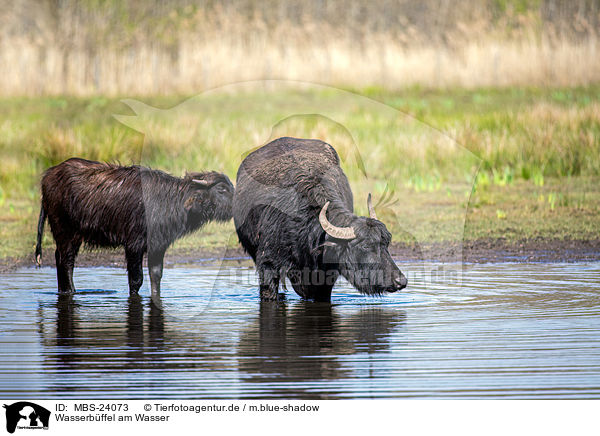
478,251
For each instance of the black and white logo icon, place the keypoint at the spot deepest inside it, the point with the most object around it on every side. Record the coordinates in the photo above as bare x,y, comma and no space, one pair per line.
26,415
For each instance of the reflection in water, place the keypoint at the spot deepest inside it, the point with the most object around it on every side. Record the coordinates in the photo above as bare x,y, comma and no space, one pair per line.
80,342
301,343
65,319
293,346
70,329
135,324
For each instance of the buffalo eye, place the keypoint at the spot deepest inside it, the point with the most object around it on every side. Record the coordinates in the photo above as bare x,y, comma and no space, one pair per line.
359,244
364,247
367,246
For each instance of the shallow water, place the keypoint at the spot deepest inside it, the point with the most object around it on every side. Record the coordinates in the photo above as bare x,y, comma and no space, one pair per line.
511,331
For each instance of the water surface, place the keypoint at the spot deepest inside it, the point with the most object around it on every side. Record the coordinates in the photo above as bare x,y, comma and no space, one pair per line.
511,331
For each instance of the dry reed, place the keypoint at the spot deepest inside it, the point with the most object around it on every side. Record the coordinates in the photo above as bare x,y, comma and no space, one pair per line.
100,48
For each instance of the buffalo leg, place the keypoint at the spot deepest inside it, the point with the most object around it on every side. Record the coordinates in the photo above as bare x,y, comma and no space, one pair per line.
65,254
155,267
61,272
135,272
323,293
295,278
269,282
320,292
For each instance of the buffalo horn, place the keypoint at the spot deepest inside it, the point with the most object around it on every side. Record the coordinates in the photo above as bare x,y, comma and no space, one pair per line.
204,183
372,213
334,231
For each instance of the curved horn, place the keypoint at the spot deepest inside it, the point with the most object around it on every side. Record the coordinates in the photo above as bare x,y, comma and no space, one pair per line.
204,183
331,230
372,213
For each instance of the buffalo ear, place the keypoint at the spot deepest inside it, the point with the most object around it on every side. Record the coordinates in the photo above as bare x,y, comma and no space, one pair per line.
190,202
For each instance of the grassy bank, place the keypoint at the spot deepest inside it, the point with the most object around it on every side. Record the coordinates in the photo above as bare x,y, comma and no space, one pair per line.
442,164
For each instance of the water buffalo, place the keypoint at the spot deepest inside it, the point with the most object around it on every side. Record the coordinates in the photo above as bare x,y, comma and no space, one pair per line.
143,210
293,212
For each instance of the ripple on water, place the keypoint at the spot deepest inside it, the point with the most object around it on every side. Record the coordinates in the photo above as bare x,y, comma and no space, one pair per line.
510,331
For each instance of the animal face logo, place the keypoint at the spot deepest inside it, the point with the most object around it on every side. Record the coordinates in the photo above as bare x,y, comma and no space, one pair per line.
24,414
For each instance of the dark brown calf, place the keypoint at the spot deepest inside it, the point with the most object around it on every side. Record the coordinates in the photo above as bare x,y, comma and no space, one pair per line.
143,210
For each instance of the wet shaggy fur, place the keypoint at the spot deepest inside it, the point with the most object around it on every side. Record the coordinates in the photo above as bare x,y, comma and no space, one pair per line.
142,210
280,190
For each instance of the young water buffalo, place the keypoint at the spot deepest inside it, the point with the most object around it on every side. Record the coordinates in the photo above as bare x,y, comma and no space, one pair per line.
143,210
293,211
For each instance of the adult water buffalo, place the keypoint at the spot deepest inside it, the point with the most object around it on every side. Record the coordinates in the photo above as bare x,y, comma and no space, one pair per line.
143,210
293,213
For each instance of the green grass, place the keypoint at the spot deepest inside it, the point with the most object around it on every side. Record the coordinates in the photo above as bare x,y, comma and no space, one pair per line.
537,152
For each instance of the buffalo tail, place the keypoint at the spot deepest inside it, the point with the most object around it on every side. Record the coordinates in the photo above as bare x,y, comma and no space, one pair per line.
40,233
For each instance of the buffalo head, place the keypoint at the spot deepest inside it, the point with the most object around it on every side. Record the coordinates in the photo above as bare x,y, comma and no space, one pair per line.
360,250
211,193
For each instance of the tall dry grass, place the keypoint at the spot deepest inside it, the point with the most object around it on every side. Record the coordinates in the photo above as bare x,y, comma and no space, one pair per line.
144,48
